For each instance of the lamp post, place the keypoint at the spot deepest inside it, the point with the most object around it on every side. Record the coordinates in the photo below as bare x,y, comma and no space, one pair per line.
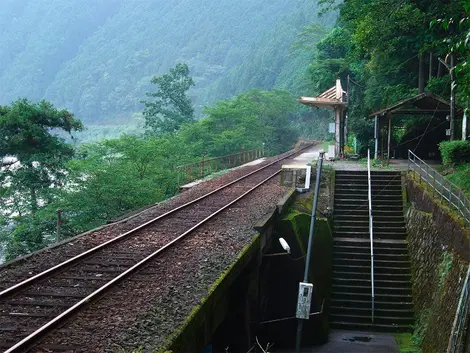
309,250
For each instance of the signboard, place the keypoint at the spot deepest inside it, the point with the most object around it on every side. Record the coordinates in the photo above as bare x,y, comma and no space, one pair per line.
331,152
332,128
304,300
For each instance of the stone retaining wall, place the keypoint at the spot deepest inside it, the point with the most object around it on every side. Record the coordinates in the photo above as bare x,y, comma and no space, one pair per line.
439,252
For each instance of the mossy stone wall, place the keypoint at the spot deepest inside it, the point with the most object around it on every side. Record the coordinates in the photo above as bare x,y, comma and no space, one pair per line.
439,265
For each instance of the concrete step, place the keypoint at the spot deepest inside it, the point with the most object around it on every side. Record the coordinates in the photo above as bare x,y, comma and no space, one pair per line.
346,325
366,262
378,270
378,243
362,209
339,217
366,282
375,201
366,235
377,227
378,319
382,252
391,298
364,187
378,256
398,313
365,275
343,288
365,196
372,172
367,304
375,184
365,222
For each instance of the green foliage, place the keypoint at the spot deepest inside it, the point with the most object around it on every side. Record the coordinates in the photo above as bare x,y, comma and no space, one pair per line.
33,160
456,31
406,343
248,120
30,136
455,152
111,177
461,177
97,57
444,267
170,107
378,44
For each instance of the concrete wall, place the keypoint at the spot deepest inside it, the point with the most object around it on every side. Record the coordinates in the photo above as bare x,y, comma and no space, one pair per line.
439,249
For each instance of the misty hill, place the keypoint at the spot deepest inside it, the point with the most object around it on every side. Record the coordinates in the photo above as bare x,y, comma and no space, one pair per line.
96,57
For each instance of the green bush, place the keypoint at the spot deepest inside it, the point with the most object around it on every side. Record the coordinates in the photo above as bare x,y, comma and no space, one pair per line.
455,152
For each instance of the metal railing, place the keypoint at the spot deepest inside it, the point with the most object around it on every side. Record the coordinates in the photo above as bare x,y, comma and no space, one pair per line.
441,186
457,336
371,233
197,170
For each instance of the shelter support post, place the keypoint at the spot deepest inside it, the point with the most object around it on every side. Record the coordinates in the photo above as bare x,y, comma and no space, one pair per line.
464,125
376,136
337,132
452,97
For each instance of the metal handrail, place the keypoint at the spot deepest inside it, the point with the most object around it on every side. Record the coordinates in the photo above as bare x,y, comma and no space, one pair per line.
371,233
447,191
461,317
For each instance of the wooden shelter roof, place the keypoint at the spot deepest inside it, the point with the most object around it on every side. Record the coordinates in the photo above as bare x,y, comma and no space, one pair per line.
331,98
423,104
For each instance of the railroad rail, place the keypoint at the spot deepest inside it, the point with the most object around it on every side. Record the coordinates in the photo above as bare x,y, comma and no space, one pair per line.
32,308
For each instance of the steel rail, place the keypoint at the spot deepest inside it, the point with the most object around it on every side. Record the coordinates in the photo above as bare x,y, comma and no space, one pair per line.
80,256
36,335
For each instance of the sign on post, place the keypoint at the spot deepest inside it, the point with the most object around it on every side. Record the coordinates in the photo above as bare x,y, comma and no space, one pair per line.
304,300
332,128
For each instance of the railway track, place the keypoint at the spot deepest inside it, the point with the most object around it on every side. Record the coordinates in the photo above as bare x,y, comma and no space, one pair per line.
32,308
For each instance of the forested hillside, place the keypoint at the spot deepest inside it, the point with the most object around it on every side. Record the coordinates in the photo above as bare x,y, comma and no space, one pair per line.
97,57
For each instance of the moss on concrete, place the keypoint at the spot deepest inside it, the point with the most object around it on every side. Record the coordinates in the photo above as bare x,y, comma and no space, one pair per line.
407,343
204,319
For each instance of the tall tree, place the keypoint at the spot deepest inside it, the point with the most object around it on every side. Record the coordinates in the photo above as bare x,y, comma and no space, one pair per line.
33,158
30,136
170,107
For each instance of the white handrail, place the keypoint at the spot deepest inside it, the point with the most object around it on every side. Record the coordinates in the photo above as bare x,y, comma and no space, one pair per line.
371,232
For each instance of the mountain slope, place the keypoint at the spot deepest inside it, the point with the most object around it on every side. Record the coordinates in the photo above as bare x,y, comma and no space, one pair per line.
96,57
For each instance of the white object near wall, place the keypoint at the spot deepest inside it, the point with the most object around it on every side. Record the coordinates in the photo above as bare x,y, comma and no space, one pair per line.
331,152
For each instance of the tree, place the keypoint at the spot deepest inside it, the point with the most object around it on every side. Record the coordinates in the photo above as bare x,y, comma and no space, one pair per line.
33,160
170,107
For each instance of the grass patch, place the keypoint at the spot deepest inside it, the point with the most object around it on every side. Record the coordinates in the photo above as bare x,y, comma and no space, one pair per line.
461,177
406,343
375,163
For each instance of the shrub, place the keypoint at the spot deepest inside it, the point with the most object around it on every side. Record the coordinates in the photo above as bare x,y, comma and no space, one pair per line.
455,152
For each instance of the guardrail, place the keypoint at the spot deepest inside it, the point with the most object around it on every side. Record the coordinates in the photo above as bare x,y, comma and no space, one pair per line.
457,336
197,170
371,233
441,186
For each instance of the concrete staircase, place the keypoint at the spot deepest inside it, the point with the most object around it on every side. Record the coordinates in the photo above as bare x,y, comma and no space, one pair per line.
350,305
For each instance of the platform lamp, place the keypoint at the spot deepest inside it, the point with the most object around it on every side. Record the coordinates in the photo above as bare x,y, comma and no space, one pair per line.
305,288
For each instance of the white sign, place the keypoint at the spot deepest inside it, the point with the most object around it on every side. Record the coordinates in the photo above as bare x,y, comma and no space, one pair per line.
332,128
304,300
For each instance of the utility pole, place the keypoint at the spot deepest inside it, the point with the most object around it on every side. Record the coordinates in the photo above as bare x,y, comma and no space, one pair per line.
451,69
452,97
309,252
